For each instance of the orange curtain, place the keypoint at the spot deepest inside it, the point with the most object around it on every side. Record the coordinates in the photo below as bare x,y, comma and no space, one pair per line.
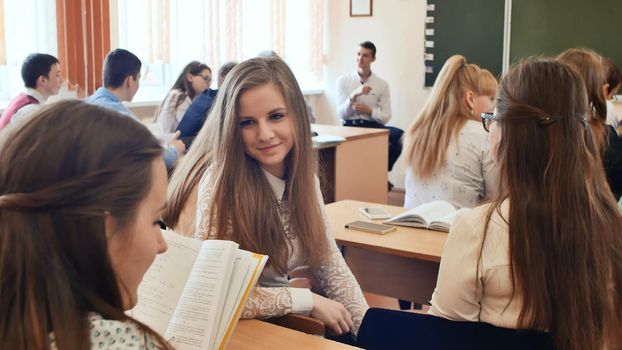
83,31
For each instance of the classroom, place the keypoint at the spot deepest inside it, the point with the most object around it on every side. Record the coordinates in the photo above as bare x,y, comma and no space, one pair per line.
310,174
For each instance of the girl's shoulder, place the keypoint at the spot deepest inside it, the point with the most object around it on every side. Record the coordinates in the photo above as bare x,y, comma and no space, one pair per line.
114,334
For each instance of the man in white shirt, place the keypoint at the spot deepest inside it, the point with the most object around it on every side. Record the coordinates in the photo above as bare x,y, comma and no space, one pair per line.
363,100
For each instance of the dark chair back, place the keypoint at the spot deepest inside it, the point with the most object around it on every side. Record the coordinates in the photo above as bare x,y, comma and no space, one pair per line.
392,329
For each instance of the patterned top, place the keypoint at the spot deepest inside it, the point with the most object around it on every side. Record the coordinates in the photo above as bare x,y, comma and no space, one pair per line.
468,177
273,297
115,335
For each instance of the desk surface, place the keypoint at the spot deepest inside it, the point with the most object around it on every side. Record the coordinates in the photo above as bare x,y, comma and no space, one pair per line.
255,334
349,132
405,241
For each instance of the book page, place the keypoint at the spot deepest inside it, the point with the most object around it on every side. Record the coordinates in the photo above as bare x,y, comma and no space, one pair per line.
424,213
444,223
164,281
246,272
197,314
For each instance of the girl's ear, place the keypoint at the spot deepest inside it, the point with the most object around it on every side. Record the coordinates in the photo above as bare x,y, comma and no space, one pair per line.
189,77
469,98
605,93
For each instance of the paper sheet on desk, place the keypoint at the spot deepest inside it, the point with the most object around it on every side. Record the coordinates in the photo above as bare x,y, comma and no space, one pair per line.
327,139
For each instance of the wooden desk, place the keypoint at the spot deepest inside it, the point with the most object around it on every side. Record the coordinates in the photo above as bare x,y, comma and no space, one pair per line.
402,264
357,168
255,334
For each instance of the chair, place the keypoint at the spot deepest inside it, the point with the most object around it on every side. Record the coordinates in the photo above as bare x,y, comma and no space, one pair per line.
392,329
299,323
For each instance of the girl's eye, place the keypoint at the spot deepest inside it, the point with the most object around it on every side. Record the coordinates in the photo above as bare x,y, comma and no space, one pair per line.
161,223
246,123
276,116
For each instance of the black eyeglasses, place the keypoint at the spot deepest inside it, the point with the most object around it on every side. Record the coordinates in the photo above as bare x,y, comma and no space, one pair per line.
207,78
487,120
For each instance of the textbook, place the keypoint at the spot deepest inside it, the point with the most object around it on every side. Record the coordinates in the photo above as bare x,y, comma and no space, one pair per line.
194,293
436,215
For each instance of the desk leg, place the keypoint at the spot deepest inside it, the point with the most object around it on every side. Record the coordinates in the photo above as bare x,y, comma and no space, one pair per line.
394,276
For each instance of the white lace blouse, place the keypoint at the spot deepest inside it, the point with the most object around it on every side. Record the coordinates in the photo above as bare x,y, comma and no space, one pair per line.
273,297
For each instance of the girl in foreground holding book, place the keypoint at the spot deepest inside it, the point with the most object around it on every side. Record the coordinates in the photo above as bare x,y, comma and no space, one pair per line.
255,169
546,253
82,189
447,151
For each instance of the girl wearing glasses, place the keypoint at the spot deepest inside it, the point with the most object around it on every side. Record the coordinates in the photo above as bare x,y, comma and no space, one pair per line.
195,78
546,253
593,69
253,168
447,151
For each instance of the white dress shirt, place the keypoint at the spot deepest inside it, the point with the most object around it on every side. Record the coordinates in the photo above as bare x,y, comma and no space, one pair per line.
379,98
23,113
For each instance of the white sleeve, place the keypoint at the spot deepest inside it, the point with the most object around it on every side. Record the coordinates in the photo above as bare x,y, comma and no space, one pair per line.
459,288
23,114
302,300
382,113
344,106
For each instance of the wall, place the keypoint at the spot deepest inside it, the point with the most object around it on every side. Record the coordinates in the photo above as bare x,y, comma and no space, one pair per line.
396,28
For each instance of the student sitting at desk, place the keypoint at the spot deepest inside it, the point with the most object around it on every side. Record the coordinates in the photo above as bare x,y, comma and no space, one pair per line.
592,68
546,254
193,80
81,194
121,82
254,167
447,151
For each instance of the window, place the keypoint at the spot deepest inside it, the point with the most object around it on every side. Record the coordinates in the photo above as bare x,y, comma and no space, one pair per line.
167,34
21,36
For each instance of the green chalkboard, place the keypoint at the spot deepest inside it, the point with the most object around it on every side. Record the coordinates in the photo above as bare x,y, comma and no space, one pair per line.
472,28
548,27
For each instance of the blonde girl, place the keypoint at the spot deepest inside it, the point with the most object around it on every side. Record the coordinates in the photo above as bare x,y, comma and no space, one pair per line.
447,155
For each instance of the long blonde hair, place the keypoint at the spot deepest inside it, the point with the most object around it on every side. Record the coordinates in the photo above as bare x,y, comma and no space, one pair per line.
444,114
242,205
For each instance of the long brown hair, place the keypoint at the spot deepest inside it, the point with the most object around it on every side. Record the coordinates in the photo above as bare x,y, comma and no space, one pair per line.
444,114
565,244
241,194
592,68
59,174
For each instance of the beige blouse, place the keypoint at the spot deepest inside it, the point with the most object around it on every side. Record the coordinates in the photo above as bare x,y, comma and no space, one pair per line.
169,116
462,291
273,297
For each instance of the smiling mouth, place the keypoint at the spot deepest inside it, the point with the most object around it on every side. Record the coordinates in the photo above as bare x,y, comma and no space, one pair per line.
268,148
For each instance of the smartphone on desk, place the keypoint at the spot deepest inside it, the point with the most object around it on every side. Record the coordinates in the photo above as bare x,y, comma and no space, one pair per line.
370,227
375,213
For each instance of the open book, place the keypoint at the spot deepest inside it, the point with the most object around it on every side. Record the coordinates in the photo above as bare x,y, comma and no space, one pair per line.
437,215
196,291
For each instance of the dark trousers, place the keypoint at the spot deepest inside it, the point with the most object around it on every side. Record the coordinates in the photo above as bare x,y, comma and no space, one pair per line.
395,136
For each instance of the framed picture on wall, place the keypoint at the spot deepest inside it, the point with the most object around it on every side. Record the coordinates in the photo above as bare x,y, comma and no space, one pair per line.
360,8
